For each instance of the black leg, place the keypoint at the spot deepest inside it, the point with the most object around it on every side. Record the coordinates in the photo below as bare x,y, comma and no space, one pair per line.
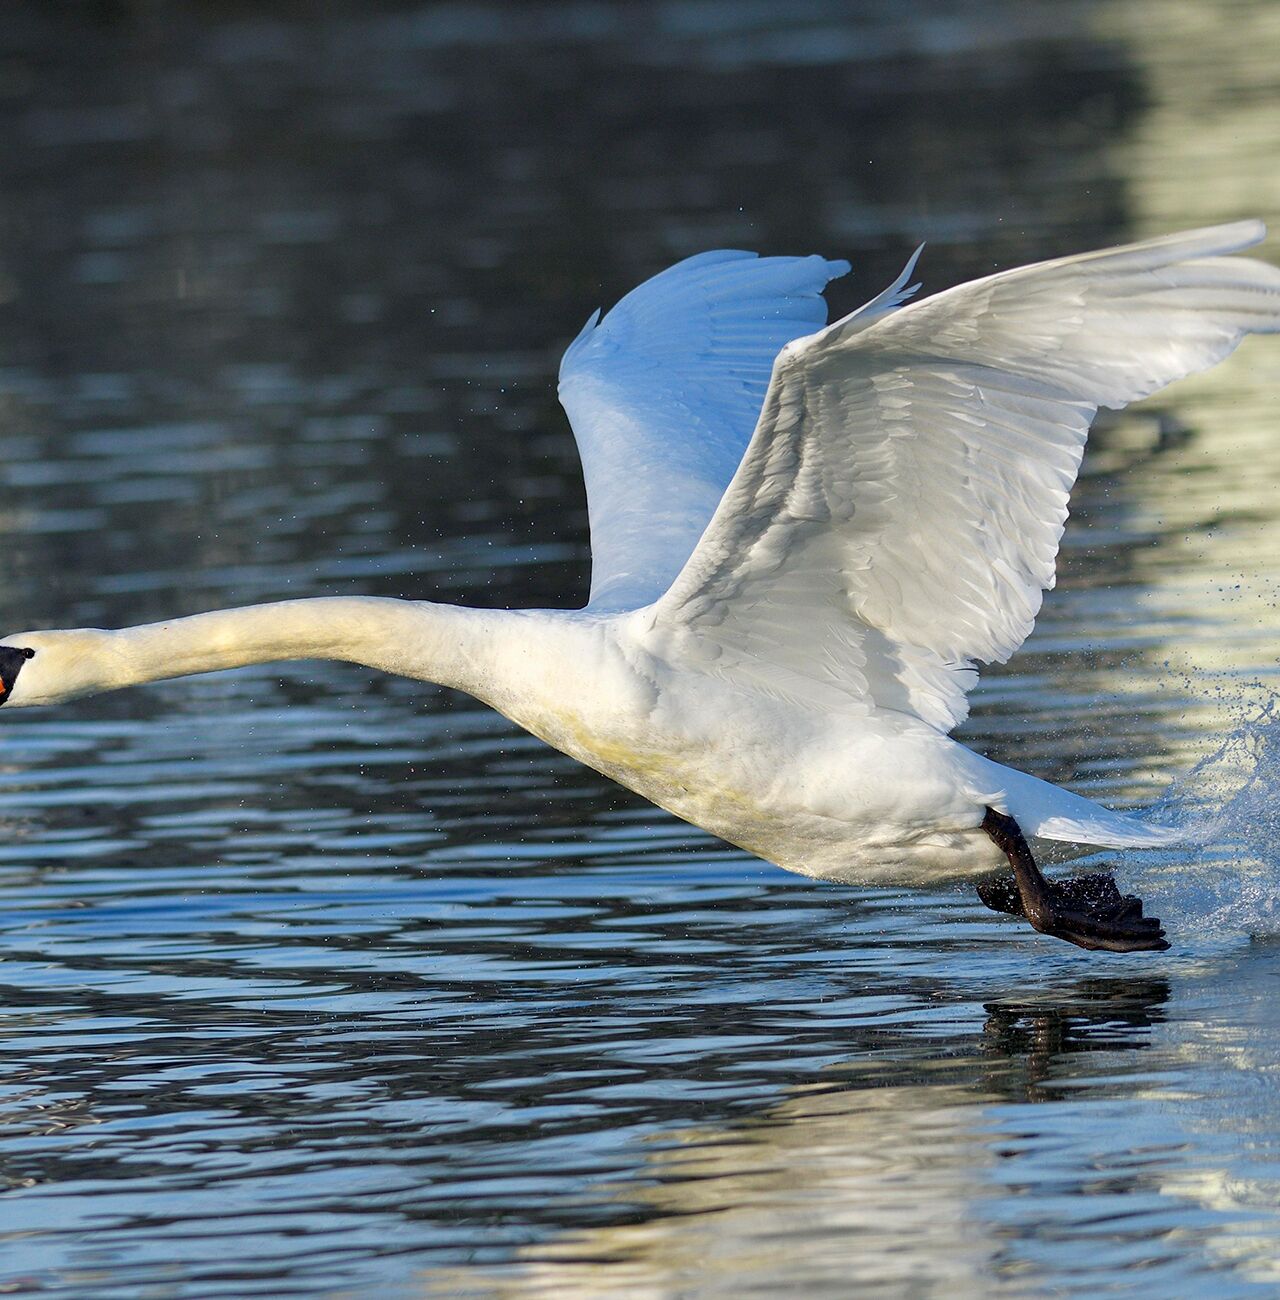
1088,911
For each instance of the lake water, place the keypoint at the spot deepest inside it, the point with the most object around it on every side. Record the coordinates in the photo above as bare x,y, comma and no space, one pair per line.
319,984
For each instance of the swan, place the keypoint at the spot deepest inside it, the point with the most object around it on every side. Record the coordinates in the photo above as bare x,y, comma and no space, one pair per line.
805,538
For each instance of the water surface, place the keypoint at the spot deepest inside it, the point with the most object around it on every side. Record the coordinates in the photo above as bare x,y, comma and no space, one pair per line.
316,983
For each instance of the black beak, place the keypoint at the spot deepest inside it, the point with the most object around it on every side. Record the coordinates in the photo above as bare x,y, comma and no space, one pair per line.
11,660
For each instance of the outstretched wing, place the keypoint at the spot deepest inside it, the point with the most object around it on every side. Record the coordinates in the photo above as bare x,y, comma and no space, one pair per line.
663,394
897,514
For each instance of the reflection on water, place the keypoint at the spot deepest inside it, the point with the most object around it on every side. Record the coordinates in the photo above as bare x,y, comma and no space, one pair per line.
315,983
885,1173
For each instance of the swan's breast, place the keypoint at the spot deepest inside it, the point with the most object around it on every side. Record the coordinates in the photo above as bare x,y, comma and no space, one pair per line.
795,785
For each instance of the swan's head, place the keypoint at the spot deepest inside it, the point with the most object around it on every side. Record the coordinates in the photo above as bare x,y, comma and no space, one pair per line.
13,659
49,667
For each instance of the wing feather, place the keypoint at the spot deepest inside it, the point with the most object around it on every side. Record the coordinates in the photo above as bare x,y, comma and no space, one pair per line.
663,394
897,514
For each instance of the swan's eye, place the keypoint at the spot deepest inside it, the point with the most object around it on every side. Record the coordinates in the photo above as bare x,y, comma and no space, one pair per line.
11,660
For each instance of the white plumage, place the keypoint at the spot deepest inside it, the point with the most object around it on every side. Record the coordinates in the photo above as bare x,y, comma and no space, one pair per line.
804,541
897,513
663,395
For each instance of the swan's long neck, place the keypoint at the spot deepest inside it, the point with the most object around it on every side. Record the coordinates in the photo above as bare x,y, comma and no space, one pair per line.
440,643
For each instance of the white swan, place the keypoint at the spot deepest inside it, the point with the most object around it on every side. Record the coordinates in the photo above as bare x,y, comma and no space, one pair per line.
783,623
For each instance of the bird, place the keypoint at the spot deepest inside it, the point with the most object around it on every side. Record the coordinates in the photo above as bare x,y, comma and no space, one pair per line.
805,539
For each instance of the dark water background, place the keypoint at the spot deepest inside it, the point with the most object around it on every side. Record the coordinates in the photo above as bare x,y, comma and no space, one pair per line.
313,983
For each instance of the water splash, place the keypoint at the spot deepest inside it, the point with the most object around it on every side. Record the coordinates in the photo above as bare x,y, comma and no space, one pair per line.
1225,872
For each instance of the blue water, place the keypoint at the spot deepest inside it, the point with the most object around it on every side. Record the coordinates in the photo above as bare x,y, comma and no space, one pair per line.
314,983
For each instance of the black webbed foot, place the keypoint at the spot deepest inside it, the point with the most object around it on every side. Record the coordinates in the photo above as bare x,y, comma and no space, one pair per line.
1000,894
1089,911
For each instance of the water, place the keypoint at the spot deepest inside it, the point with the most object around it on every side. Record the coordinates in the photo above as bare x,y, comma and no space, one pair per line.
319,984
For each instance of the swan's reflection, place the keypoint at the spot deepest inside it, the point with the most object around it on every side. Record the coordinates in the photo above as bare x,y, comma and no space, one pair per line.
838,1189
1027,1037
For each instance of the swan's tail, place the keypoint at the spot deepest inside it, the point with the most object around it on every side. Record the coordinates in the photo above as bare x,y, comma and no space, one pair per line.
1049,813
